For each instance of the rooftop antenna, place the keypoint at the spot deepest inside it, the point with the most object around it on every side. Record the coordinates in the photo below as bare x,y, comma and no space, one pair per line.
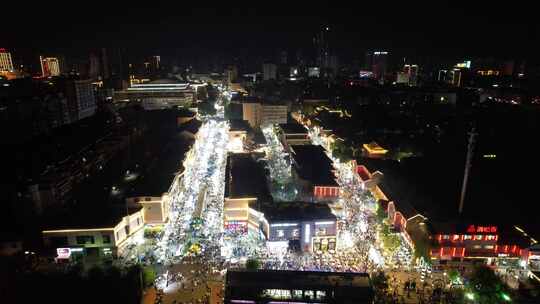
470,152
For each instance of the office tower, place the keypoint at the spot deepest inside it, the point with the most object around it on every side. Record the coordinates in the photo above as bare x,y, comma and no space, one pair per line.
269,71
377,61
411,70
155,62
50,66
283,58
322,48
80,96
232,74
94,67
6,64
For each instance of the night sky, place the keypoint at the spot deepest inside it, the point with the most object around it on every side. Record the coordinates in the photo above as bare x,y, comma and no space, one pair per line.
202,28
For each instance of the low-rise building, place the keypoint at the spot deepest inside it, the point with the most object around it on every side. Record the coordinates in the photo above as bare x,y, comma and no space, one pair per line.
249,206
282,286
315,169
159,94
294,134
313,226
96,234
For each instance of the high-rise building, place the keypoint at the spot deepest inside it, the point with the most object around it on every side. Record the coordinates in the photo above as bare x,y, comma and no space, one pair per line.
6,64
50,66
283,58
411,70
80,96
269,71
377,61
322,47
232,74
155,62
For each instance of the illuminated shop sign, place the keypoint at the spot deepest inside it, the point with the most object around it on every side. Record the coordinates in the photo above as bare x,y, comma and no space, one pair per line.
481,229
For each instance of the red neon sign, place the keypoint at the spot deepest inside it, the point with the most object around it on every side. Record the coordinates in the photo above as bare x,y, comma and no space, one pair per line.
481,229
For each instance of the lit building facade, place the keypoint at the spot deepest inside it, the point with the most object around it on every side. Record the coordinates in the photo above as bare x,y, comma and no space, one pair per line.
106,241
157,95
6,63
377,61
50,66
456,243
257,114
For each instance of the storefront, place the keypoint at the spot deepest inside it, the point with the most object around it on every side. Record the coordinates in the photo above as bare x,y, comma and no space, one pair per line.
324,244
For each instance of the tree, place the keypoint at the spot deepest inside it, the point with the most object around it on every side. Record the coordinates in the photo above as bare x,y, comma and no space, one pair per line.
381,213
206,108
253,264
391,242
149,276
453,275
487,287
380,281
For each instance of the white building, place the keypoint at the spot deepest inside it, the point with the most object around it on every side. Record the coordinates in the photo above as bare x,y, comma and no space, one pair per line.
6,64
109,233
258,114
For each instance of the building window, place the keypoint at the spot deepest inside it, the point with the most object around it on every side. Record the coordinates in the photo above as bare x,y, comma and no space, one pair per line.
280,233
117,236
85,239
138,221
320,295
320,231
295,233
59,241
106,238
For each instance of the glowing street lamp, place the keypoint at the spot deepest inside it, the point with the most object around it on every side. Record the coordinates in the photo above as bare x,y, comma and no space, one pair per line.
506,297
469,296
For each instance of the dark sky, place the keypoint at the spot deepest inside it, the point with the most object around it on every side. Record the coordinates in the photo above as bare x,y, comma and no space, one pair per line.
261,27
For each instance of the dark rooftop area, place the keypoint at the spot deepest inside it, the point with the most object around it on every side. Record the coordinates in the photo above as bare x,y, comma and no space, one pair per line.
313,164
162,171
246,177
286,211
239,125
432,186
293,128
88,217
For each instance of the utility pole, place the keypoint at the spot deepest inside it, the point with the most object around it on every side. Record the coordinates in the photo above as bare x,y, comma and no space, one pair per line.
470,152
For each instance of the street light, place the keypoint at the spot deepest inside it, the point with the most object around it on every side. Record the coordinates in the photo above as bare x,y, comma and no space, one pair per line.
506,297
470,296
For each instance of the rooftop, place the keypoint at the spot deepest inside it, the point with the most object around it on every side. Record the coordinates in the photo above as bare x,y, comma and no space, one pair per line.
313,164
347,287
293,128
246,177
296,211
89,217
296,279
239,125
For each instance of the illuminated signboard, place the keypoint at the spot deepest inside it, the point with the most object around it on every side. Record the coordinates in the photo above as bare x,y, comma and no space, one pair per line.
63,253
465,64
365,74
481,229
